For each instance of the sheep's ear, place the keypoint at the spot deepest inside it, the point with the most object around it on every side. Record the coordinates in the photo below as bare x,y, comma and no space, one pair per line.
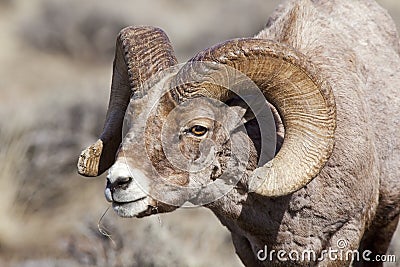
245,110
238,115
255,115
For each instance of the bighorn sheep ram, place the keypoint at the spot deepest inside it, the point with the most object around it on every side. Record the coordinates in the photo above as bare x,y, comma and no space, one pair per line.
330,73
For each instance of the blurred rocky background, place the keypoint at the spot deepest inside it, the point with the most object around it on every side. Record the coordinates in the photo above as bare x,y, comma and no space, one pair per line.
55,69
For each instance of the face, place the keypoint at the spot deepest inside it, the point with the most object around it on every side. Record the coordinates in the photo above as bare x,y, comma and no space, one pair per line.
195,150
172,155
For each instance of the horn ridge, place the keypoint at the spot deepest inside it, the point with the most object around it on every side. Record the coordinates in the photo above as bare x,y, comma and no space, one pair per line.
304,100
140,53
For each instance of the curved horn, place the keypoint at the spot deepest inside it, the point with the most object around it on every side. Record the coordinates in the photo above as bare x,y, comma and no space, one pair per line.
140,53
303,99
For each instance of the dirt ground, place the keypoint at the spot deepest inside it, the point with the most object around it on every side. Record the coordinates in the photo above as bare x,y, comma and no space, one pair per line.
55,70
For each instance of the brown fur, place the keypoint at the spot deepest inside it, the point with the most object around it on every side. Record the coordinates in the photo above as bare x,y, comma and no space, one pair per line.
355,197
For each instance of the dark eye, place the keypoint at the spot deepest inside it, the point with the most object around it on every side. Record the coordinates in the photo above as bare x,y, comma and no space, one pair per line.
198,130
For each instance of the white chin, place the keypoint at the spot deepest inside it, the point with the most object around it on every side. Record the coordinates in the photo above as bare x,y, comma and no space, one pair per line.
131,209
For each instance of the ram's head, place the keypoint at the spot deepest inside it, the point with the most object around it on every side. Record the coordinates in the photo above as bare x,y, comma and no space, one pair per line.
194,132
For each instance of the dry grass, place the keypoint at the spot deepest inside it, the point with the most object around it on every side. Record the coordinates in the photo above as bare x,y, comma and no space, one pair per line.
55,73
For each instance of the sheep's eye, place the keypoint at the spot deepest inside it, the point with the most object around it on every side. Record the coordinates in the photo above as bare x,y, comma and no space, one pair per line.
198,130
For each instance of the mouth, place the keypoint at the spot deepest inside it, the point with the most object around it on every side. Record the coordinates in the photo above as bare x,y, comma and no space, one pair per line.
137,208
